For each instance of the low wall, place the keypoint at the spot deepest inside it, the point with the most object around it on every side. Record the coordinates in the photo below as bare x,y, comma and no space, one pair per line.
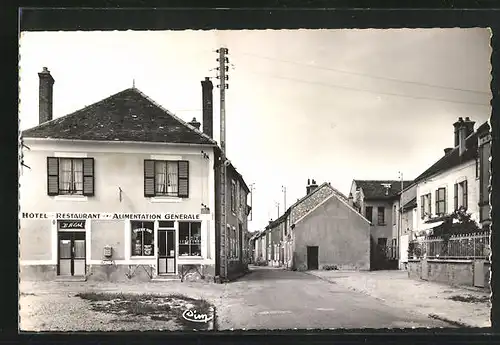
453,272
118,273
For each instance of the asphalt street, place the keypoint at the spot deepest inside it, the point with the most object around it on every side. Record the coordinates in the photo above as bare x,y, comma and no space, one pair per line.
270,298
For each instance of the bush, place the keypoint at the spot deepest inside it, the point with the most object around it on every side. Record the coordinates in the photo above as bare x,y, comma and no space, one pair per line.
261,262
330,268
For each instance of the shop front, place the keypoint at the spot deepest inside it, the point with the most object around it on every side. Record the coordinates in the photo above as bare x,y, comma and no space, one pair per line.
115,247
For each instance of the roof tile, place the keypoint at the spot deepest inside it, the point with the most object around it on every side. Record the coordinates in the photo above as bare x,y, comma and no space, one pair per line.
126,116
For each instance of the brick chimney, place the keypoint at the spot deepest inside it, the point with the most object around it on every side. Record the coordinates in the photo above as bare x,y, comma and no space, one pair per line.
45,96
208,110
195,123
462,130
311,186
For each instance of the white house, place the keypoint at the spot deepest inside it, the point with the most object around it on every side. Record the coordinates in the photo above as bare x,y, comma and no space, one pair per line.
452,182
122,189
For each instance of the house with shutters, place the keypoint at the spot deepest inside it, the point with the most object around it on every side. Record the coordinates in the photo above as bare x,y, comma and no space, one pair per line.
124,189
378,201
459,179
457,183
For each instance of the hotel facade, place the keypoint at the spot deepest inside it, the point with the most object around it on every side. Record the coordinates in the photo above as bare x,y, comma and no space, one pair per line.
123,189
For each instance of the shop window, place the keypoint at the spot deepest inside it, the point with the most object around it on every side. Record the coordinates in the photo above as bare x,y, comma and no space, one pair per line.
189,239
142,238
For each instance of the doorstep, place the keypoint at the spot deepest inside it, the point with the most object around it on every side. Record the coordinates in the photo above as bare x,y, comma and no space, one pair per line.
71,279
172,278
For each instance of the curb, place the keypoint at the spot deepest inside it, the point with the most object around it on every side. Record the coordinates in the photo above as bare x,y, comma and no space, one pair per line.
451,322
348,287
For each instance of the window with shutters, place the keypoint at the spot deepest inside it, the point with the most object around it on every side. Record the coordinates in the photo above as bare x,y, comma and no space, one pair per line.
441,201
460,196
70,176
381,215
233,196
394,214
166,178
233,243
369,213
425,205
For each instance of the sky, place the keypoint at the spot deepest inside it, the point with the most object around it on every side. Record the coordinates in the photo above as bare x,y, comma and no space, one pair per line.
331,105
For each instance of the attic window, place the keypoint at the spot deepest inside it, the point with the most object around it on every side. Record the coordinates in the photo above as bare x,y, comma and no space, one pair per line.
387,186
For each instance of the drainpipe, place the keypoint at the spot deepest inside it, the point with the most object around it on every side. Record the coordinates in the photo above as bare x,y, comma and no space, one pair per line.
400,228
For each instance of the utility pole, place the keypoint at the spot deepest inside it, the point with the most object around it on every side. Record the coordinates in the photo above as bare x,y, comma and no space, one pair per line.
283,189
252,188
400,228
222,59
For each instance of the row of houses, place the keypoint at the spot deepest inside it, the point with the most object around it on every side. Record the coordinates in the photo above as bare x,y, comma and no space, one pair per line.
319,230
375,226
124,189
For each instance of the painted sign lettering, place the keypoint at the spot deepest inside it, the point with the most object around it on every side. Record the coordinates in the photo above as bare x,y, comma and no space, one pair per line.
142,230
72,224
116,216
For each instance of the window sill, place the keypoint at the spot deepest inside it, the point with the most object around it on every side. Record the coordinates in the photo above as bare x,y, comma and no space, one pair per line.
142,257
70,198
165,199
381,224
180,257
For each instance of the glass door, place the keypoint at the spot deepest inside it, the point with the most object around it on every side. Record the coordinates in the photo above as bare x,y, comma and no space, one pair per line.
71,252
166,252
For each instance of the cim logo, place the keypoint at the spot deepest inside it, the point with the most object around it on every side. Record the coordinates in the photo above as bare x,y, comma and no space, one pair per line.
193,316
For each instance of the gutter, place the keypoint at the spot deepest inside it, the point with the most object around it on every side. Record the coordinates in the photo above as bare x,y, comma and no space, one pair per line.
107,142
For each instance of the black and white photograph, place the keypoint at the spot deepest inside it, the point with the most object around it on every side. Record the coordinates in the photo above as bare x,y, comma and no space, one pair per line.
216,180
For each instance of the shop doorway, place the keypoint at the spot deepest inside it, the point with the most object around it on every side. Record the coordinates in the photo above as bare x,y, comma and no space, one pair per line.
71,254
166,252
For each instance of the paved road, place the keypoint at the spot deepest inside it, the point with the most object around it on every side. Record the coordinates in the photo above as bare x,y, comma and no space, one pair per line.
270,298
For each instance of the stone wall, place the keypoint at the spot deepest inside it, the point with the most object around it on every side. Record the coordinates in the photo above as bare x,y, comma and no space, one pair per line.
452,272
308,204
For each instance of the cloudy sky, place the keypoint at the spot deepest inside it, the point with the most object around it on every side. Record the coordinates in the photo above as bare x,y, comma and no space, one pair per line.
333,105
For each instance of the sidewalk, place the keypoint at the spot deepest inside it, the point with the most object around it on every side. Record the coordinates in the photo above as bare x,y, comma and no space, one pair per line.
468,308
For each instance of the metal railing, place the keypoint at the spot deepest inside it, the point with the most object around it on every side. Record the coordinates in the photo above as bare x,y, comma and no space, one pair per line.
467,246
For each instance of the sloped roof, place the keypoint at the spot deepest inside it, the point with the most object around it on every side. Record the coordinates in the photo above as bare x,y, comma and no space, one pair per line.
282,218
240,177
452,158
128,115
374,189
410,204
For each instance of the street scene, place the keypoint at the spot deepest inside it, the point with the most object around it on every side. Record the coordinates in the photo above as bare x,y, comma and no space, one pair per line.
254,180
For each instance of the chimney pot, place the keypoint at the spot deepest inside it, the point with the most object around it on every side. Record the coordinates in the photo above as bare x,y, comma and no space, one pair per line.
447,150
195,123
45,95
467,119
